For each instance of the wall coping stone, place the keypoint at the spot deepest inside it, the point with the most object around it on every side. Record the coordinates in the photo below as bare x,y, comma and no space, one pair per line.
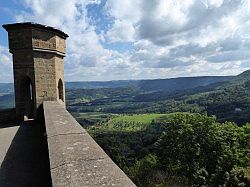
75,158
35,25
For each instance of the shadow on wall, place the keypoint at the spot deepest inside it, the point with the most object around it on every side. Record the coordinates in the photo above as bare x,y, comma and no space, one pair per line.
27,162
7,117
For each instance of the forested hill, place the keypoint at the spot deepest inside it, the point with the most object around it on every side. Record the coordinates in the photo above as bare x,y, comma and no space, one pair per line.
172,84
191,85
241,78
101,84
229,101
180,83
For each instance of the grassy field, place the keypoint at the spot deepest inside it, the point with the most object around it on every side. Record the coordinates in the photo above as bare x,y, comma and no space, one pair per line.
139,118
89,118
134,123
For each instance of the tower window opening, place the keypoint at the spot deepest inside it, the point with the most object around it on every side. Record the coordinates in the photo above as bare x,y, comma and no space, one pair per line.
27,98
31,92
60,90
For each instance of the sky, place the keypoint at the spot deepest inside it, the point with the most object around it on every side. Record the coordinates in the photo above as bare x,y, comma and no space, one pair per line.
139,39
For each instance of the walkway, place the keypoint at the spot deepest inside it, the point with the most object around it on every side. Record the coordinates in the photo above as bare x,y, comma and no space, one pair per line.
24,156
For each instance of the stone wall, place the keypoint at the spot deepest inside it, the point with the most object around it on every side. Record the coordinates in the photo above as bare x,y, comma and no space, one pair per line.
75,158
45,77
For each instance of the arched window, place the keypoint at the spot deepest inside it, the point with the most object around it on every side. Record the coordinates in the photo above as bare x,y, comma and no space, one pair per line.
28,97
60,90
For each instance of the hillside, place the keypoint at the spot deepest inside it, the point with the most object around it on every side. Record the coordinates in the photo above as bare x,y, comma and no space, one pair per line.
172,84
240,79
100,84
180,83
227,100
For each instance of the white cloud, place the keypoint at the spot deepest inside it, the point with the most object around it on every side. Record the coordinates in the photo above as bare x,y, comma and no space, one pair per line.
124,10
6,65
170,37
121,31
84,49
126,15
187,35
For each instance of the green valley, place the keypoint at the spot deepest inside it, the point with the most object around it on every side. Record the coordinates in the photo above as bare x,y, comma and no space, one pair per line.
168,132
228,100
176,137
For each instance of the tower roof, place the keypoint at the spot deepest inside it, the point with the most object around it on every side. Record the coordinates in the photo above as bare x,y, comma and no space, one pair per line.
35,25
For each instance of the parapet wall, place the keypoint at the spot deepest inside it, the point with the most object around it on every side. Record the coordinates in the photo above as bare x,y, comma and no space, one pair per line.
7,115
75,158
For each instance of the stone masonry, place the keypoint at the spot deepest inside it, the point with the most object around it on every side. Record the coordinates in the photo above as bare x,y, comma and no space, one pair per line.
38,53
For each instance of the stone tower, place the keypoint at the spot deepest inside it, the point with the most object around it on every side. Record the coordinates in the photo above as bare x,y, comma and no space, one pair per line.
38,53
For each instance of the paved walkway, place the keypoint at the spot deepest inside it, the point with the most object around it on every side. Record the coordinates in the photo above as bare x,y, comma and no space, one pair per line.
24,157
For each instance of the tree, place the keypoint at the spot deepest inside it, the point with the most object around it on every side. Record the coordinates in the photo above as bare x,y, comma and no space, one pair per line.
197,147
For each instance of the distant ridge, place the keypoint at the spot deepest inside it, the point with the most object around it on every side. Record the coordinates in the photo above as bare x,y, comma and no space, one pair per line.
169,84
146,85
101,84
181,83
